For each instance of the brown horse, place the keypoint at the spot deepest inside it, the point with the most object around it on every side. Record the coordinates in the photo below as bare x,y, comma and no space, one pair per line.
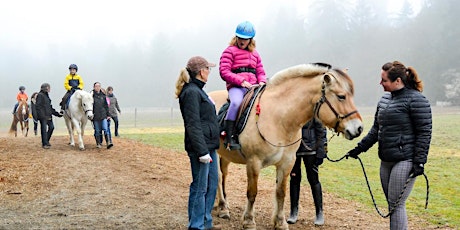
272,134
21,115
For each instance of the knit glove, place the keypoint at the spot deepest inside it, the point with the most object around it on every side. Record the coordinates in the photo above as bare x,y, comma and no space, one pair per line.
417,170
354,152
206,159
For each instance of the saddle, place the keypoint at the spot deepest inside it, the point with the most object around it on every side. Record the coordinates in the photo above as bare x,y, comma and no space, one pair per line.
243,112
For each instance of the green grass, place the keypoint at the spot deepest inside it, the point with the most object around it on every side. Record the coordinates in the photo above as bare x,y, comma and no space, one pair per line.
345,179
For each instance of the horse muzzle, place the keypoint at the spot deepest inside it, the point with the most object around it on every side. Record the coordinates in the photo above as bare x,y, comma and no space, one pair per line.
353,129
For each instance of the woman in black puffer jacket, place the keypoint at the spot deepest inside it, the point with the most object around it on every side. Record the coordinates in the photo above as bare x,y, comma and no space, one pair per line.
402,127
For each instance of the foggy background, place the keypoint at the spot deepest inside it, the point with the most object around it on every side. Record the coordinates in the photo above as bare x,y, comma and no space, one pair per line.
139,47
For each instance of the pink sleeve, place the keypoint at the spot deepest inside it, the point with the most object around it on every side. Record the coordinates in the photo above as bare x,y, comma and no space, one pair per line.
225,68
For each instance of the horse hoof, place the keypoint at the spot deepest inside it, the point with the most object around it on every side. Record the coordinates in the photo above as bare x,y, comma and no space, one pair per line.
249,227
224,214
82,149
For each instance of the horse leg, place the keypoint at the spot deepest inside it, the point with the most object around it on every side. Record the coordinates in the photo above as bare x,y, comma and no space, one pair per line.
282,173
252,171
223,211
68,123
77,127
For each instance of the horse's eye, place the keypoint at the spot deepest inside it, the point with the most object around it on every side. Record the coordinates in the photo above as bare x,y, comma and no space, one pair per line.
341,97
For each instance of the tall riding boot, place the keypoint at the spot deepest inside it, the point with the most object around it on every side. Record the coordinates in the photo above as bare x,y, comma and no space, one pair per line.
294,190
98,141
108,140
230,141
318,200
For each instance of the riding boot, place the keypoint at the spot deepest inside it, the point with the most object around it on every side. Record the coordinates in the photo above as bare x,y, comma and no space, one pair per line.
230,141
294,190
318,200
108,140
98,141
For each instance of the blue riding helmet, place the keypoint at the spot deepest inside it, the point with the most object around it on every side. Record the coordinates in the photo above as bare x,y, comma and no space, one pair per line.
245,30
22,88
73,66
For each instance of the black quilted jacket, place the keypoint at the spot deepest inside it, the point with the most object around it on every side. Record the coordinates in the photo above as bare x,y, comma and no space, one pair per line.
200,119
402,126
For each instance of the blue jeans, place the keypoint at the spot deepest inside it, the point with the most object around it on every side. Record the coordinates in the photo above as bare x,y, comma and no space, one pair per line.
100,126
202,191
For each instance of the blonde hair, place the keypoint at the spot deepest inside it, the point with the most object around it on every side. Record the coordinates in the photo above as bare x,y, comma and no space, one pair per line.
251,47
184,77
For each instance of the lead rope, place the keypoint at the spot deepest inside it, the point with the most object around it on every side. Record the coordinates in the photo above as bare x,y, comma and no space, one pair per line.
400,195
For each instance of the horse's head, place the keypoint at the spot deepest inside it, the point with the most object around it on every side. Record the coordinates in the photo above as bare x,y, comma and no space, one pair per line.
23,108
336,108
87,102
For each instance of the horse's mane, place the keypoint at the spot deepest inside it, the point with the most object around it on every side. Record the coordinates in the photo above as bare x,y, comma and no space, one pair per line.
302,70
308,70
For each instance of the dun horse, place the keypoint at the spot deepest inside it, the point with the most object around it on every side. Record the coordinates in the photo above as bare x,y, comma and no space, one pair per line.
273,130
76,115
21,115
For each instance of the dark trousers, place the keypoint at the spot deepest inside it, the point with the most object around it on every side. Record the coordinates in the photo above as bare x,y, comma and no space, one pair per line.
115,120
311,168
46,130
65,98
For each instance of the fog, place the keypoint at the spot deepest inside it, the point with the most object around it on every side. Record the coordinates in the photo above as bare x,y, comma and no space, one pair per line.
139,47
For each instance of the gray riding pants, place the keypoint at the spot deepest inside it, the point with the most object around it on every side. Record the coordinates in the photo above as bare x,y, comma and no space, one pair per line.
393,176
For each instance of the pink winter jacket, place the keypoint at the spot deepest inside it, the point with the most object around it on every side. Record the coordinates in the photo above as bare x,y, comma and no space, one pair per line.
233,58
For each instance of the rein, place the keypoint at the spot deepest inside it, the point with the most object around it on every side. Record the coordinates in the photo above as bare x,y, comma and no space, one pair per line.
324,99
260,134
392,209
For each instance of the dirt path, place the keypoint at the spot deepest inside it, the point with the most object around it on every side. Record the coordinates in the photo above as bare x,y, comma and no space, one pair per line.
133,186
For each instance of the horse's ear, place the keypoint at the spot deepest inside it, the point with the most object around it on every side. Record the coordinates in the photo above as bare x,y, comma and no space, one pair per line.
327,78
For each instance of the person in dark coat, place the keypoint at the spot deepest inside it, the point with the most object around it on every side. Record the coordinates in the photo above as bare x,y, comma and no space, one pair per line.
101,116
402,127
201,140
312,151
33,110
45,110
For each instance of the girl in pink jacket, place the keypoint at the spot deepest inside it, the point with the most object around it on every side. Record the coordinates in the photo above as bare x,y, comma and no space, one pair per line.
241,67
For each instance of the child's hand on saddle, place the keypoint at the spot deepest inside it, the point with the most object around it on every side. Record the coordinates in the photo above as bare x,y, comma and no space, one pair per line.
246,84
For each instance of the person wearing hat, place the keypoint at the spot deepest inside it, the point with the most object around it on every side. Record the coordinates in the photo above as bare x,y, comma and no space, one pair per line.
201,139
22,95
44,110
72,82
240,67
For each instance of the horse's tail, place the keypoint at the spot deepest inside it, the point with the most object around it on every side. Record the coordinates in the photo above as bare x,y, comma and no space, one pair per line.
13,125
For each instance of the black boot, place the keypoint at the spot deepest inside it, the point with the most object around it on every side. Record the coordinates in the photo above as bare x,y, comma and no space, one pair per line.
230,141
98,141
294,190
318,200
108,140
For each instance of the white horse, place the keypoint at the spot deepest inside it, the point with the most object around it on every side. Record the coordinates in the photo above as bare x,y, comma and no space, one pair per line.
76,115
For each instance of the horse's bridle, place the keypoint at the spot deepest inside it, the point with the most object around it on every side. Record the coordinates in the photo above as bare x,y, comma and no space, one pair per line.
324,99
25,116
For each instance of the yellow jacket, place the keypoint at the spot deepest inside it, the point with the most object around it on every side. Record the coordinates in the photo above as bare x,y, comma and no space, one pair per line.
73,81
